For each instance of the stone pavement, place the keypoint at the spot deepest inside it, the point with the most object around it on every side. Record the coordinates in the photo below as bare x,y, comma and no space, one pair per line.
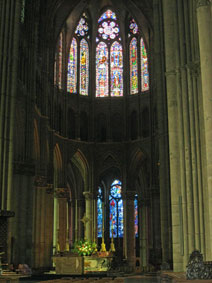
180,277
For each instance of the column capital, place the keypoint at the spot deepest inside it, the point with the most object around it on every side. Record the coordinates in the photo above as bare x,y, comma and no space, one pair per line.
88,195
40,181
49,189
62,193
201,3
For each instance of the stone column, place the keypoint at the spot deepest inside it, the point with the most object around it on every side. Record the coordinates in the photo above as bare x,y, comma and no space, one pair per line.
130,228
204,21
62,195
143,232
170,47
88,215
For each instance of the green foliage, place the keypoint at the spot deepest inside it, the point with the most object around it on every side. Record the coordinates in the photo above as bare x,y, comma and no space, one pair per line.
84,247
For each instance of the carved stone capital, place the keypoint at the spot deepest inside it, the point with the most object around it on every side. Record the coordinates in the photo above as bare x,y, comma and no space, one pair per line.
201,3
88,195
62,193
40,181
49,189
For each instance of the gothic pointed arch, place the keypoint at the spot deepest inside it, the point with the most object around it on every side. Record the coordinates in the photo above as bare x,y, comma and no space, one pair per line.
36,141
80,161
58,166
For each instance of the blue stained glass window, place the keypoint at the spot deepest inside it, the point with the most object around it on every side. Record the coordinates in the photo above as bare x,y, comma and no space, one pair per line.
116,210
136,214
99,213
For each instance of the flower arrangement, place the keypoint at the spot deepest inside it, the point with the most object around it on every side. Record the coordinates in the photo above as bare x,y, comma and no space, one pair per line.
84,247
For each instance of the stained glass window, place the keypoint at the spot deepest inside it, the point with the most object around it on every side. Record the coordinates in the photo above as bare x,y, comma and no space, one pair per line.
112,55
101,70
133,27
82,27
136,214
55,69
116,210
107,15
116,66
99,213
144,67
72,68
60,60
133,66
84,67
108,30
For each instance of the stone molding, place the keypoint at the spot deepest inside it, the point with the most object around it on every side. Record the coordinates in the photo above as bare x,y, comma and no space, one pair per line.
201,3
7,213
88,195
62,193
40,181
49,189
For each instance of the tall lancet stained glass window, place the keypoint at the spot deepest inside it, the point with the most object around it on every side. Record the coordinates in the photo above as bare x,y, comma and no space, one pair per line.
116,66
102,70
116,210
109,56
84,67
136,214
99,213
72,68
60,60
133,66
144,67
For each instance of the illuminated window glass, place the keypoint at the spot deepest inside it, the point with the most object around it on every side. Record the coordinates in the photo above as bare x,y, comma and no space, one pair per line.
60,60
101,70
107,15
55,69
144,67
99,213
116,66
72,68
109,55
84,67
133,66
133,27
136,214
82,27
116,210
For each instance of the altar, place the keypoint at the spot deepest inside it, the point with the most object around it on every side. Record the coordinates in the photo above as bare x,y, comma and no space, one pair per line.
78,265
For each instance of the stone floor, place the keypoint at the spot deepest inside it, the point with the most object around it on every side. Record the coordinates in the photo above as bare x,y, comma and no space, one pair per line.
164,277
